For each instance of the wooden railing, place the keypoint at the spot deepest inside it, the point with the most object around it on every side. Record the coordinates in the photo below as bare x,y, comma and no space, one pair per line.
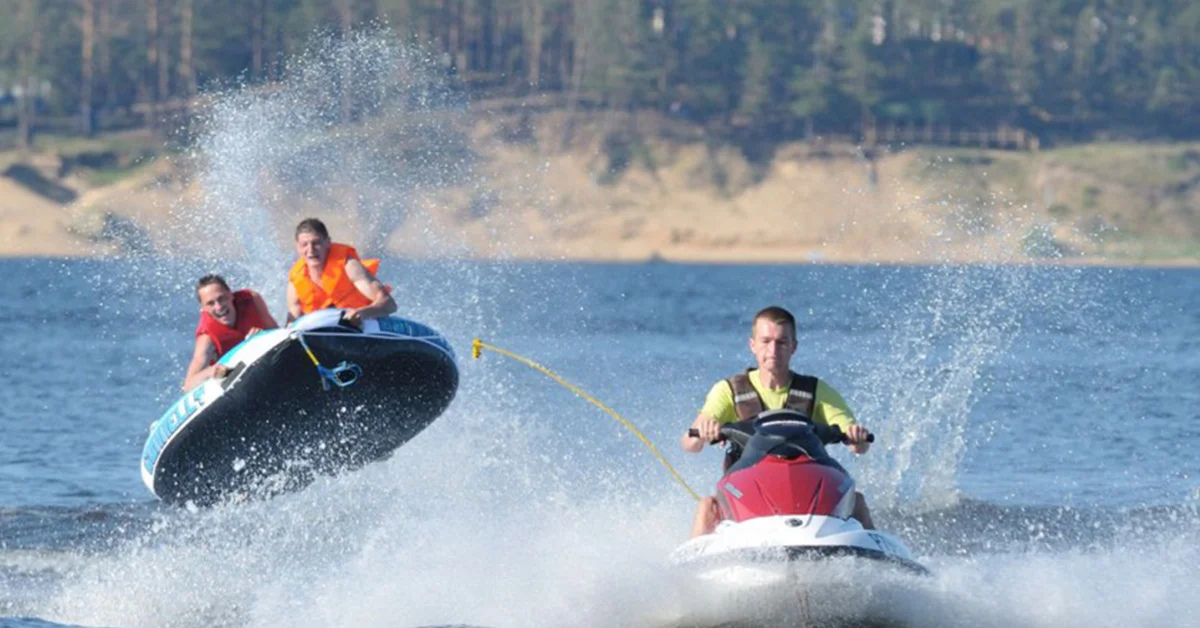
1003,137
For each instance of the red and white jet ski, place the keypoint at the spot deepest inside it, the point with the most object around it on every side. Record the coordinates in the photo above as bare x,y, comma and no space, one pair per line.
784,501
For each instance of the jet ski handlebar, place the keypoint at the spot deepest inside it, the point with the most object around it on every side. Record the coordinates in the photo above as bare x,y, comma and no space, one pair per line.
737,433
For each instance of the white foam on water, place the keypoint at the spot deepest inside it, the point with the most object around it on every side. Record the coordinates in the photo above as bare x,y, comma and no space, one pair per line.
458,527
1140,583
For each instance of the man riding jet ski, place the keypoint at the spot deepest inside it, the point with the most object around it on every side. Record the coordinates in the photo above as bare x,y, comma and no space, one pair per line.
771,386
784,498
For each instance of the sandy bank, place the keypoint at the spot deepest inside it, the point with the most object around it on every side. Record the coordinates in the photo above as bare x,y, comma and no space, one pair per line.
526,195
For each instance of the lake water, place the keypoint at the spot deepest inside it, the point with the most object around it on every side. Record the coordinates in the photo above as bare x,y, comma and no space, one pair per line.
1037,432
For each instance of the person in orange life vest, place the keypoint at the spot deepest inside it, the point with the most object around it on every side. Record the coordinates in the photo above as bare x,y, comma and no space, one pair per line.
226,318
329,274
772,386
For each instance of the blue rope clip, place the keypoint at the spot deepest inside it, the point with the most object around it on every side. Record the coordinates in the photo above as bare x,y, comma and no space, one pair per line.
342,375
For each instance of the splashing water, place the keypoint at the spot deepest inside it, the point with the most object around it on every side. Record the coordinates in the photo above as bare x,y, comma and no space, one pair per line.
359,133
942,340
421,539
952,328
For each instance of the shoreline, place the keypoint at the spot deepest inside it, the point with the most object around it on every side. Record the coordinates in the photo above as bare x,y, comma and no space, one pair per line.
685,203
725,260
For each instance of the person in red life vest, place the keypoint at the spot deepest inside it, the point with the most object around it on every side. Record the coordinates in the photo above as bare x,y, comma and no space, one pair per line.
226,318
329,274
771,386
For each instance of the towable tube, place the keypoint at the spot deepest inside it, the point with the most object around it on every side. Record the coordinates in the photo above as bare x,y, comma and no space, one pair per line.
282,415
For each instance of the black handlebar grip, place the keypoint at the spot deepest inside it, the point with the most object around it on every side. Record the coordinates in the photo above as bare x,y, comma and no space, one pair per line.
695,433
846,440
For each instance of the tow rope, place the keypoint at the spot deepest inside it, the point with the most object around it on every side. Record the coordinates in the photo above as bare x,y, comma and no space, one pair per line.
477,347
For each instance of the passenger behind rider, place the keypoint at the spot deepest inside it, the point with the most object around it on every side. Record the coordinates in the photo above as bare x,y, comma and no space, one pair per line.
773,385
329,274
226,318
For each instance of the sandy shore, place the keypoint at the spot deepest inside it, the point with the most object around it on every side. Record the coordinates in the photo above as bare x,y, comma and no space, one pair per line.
526,201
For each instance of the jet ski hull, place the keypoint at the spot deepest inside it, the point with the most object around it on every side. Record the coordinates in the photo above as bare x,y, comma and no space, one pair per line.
735,546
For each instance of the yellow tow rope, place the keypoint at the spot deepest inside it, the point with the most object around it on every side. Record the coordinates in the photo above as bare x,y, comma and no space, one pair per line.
478,346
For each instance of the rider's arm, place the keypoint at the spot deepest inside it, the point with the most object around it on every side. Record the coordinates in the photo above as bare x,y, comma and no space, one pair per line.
293,303
382,303
707,426
718,409
199,369
829,408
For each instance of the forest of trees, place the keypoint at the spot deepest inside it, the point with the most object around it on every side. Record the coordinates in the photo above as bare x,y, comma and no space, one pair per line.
1066,70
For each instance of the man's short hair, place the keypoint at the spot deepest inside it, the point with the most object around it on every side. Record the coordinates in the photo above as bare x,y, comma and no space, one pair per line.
314,226
209,280
776,315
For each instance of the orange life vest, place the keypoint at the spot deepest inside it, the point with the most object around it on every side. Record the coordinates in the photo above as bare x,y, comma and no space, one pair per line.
335,289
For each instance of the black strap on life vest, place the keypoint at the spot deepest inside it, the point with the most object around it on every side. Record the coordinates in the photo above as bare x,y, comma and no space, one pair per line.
802,394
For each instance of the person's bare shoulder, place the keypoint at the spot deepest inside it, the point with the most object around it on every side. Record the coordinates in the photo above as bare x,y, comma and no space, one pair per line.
356,271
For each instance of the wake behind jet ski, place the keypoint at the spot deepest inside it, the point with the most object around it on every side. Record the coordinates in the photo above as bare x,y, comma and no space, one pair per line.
785,500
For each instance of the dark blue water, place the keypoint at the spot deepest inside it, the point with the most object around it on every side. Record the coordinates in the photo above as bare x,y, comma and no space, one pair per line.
1037,432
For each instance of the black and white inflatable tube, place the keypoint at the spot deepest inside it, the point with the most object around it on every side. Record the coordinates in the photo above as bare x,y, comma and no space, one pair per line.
277,420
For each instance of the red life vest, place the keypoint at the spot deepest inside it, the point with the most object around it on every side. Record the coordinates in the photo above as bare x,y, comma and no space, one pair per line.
335,289
225,337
